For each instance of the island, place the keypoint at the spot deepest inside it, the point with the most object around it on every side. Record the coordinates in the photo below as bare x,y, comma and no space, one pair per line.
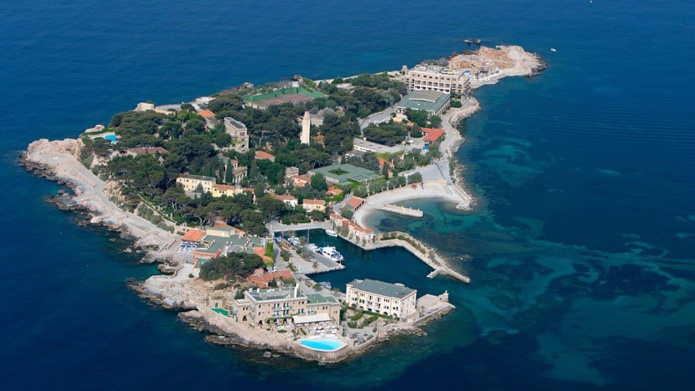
216,190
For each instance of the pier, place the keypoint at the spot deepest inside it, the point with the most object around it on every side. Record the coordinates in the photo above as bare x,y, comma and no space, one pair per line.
402,210
426,254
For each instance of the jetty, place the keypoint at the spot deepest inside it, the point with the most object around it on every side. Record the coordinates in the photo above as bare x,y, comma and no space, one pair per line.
439,265
402,210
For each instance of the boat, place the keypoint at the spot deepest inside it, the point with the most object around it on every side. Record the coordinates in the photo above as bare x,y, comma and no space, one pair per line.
332,233
553,50
331,252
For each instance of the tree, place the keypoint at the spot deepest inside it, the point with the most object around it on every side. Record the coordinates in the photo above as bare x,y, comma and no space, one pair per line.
347,212
419,117
318,182
231,265
271,208
414,178
229,172
435,121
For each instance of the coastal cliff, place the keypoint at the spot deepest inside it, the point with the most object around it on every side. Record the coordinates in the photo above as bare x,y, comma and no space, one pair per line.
59,161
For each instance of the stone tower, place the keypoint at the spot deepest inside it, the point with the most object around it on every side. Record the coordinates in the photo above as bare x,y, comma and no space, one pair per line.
306,129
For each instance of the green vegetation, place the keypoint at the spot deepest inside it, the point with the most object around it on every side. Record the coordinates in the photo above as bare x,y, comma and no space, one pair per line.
230,266
387,133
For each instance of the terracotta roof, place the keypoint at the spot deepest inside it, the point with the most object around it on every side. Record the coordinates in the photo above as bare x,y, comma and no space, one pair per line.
315,202
432,134
264,155
355,202
334,190
193,235
206,114
357,227
284,197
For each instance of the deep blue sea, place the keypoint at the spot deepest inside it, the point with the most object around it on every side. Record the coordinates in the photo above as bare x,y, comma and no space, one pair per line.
581,250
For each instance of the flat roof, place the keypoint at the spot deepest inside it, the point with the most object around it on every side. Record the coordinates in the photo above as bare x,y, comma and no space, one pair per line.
274,293
382,288
198,177
375,147
345,174
235,123
431,101
315,298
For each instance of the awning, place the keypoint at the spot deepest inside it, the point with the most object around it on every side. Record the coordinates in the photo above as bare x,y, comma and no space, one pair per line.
301,319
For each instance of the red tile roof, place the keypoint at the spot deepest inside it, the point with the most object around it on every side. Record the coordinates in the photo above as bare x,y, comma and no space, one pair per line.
355,202
315,202
284,197
206,114
193,236
264,155
432,135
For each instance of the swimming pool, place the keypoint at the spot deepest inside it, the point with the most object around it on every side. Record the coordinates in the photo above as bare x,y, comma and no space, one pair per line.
323,344
111,137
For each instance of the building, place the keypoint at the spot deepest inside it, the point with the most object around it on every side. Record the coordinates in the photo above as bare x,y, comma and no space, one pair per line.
381,297
288,200
263,155
431,135
144,106
310,205
146,151
345,174
334,191
192,237
361,145
354,203
239,133
305,136
437,78
300,180
352,230
433,102
261,306
190,183
226,190
262,279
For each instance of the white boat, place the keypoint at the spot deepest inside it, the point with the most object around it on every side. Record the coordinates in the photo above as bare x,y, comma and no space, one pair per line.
331,252
332,233
553,50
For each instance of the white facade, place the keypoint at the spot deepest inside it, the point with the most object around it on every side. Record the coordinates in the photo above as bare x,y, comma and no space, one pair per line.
437,78
382,297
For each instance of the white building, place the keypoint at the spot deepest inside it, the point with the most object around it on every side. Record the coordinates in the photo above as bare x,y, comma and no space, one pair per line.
190,183
381,297
437,78
238,132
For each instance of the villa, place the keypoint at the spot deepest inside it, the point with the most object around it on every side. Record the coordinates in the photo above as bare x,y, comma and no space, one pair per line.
190,183
288,304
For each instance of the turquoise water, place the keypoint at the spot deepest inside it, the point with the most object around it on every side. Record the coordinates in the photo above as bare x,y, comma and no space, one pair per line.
111,137
580,251
324,344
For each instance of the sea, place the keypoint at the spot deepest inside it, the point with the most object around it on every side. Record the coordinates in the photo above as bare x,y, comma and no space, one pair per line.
581,247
